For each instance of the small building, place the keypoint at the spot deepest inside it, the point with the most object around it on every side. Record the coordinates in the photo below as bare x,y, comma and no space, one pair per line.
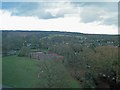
45,56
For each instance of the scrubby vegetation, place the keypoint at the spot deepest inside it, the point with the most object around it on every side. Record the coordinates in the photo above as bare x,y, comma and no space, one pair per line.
24,51
91,60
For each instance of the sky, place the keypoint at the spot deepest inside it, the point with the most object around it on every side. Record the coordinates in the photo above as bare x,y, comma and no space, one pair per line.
65,15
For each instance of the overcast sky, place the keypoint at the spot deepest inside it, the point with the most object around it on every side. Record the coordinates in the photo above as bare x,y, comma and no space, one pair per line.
67,15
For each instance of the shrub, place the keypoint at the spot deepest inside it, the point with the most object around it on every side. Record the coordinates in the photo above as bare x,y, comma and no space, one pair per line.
24,51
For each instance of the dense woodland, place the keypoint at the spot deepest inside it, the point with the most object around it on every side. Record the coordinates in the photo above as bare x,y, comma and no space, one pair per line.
92,60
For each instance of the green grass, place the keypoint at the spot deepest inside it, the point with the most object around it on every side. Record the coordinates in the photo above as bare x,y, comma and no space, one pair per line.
19,71
22,72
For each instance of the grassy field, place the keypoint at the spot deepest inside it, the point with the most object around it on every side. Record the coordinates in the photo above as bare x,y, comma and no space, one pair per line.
22,72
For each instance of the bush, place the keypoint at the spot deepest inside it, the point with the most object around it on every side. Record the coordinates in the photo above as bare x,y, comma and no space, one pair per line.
24,51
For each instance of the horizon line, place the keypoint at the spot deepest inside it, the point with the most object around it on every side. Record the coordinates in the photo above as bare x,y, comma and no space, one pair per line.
59,31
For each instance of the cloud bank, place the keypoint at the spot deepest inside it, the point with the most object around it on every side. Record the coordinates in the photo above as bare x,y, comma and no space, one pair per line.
86,17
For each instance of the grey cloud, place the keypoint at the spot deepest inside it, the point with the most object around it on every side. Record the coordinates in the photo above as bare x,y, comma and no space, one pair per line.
28,9
37,9
93,11
111,21
90,15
